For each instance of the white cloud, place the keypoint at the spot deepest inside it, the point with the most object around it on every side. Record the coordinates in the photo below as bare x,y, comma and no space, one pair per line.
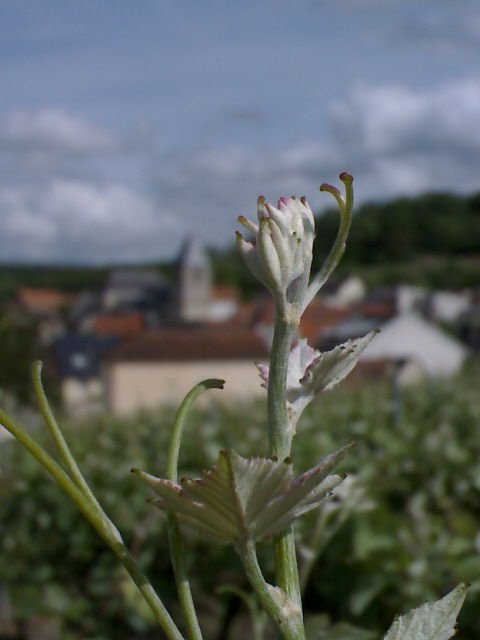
54,131
77,221
395,140
210,189
407,140
395,119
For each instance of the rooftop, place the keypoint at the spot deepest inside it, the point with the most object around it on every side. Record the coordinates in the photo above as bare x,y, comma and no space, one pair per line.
118,324
194,343
143,278
43,300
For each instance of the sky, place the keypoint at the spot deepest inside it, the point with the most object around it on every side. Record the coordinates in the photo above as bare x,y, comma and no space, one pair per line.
127,126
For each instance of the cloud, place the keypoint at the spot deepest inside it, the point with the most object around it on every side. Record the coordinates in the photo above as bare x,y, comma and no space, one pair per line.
211,188
74,221
395,119
54,131
394,139
411,140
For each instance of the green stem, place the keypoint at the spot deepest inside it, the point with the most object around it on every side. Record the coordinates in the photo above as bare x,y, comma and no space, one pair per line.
57,435
279,435
179,423
177,548
100,522
278,605
286,565
280,439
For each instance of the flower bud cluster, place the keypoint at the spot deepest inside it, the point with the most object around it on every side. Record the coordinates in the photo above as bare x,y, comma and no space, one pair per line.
280,254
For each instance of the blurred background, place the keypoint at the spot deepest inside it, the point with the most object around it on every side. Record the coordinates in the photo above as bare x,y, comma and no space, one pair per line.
131,137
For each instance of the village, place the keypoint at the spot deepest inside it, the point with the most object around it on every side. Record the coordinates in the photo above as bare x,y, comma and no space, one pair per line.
239,320
142,341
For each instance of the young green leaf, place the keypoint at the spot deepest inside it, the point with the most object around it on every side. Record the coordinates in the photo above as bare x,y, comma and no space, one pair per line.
331,367
431,621
244,499
310,371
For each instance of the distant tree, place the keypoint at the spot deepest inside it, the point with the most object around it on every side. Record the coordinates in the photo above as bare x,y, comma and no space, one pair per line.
18,349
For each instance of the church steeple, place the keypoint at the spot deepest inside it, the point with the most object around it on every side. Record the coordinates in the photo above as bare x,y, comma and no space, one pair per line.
194,283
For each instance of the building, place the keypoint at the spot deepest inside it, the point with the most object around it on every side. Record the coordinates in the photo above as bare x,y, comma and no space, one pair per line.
77,360
469,326
409,337
121,324
448,306
160,366
350,291
193,287
41,302
224,304
132,289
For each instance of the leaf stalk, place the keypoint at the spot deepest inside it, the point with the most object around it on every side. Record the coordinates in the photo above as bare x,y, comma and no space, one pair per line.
177,547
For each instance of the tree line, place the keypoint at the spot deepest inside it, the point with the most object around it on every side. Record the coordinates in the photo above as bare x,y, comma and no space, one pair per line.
431,239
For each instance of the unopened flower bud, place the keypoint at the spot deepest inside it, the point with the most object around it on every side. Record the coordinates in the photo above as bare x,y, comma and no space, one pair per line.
280,254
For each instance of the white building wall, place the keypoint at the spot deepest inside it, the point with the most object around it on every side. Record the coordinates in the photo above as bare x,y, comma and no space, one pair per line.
446,306
350,291
409,298
81,398
409,336
133,386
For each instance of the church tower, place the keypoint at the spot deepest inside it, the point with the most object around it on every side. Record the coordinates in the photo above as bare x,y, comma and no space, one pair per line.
194,282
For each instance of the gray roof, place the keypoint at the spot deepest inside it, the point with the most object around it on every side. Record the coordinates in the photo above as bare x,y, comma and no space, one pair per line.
142,278
350,328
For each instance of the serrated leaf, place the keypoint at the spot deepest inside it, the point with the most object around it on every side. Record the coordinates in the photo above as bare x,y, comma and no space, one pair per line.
331,367
311,371
246,498
431,621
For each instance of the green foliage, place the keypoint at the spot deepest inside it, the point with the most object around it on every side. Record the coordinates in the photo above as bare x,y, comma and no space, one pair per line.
229,269
422,475
55,549
432,240
63,278
18,345
414,544
401,229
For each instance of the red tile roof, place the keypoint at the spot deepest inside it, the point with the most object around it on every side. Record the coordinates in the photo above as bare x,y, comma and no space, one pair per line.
224,292
376,310
243,316
119,324
43,300
202,343
320,316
